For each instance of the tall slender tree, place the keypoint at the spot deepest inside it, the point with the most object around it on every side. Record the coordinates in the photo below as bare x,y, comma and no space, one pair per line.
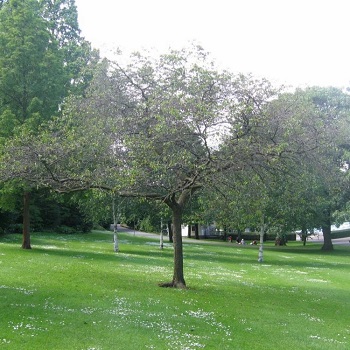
41,61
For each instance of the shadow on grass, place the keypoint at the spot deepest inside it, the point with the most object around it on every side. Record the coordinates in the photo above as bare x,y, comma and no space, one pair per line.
312,248
83,255
143,253
249,255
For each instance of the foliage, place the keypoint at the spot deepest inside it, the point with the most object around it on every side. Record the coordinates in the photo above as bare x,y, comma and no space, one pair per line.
310,188
30,61
321,187
48,212
43,59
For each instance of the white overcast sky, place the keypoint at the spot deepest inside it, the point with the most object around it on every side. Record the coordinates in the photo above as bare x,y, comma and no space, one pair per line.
294,42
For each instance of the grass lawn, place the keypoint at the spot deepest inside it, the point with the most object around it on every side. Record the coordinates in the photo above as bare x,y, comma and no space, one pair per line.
72,292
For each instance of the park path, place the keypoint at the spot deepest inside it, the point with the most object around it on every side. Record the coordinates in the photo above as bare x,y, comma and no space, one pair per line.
345,240
130,231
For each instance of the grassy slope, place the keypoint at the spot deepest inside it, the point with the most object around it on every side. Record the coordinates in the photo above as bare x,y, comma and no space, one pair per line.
74,292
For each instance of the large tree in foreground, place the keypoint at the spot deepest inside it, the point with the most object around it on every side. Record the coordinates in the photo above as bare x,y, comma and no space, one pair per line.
160,129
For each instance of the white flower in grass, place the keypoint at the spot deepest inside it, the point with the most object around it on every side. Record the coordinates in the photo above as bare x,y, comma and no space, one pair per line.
317,280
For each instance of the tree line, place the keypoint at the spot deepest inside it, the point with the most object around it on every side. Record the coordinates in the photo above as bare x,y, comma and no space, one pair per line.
171,128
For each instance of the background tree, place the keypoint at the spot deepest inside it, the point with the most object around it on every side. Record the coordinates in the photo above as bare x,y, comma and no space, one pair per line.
311,128
31,81
80,59
322,189
41,58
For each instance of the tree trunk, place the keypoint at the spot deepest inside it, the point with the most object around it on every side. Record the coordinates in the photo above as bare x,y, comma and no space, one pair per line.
189,230
161,238
304,236
177,207
224,238
239,235
170,230
115,227
178,278
327,237
26,221
261,246
196,231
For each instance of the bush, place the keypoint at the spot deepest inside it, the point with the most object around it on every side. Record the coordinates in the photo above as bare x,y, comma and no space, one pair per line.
15,228
66,230
146,225
281,239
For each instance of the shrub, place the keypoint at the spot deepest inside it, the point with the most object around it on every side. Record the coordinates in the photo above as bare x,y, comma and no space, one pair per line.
66,230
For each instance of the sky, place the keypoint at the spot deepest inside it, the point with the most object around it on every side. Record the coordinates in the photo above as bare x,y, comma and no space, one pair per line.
294,42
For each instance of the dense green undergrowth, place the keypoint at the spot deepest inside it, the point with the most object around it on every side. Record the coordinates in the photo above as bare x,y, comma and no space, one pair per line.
74,292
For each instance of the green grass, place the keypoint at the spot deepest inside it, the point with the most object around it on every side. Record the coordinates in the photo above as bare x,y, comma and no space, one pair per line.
74,292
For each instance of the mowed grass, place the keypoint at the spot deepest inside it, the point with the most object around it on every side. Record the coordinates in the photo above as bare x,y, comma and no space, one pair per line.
74,292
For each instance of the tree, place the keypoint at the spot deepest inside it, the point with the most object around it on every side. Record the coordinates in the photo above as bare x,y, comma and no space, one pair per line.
31,76
30,62
159,129
323,188
311,186
38,64
80,59
178,111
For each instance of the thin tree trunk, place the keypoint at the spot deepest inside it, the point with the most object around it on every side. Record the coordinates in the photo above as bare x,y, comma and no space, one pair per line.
170,230
161,245
115,227
196,231
327,237
225,233
304,236
261,246
26,222
189,230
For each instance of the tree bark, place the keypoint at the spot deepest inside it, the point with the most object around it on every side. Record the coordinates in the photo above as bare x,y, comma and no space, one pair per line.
178,277
261,246
196,231
327,237
170,230
176,207
115,227
26,222
225,233
304,236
